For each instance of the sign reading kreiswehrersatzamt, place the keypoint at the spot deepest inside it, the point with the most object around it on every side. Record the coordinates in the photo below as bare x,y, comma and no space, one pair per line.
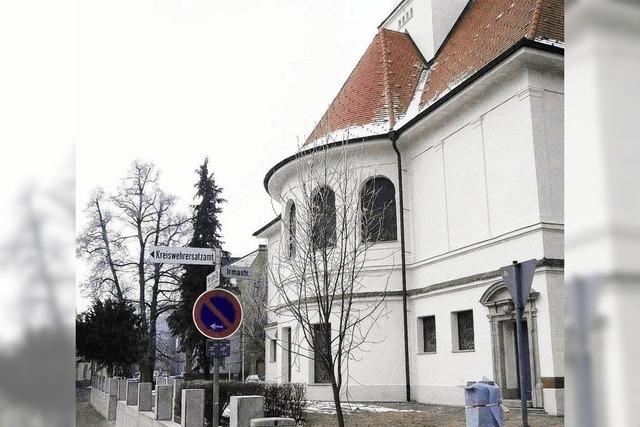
177,255
217,314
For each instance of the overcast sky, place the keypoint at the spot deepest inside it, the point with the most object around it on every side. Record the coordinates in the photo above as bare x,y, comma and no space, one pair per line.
168,81
173,81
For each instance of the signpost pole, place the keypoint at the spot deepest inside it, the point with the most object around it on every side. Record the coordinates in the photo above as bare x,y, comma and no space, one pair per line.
522,350
216,391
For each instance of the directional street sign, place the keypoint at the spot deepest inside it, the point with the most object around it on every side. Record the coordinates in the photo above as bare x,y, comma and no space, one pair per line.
177,255
217,314
518,278
213,280
218,348
236,272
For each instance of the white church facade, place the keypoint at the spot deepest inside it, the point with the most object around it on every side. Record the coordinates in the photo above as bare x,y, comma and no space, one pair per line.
457,108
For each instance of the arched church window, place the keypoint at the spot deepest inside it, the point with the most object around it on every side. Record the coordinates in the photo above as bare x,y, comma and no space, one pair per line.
378,204
291,225
323,227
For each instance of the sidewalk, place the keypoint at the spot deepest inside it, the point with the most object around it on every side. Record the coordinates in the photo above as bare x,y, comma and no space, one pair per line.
85,414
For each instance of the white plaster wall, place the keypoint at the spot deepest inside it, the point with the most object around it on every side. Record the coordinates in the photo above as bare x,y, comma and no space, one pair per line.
444,14
483,187
437,377
377,371
419,26
431,22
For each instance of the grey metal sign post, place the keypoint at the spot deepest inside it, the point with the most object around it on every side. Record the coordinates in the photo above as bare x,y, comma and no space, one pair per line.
217,314
217,349
518,278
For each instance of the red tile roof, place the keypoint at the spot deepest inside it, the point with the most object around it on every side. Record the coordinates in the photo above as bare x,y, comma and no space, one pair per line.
379,89
378,92
485,30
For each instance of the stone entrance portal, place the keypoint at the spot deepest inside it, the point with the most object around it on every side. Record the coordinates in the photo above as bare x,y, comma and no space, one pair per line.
504,348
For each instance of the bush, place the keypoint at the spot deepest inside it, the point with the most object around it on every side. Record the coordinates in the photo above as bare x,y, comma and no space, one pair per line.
280,400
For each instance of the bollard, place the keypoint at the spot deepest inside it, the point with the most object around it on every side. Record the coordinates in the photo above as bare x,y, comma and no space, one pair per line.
192,414
122,389
144,396
112,387
132,392
164,402
483,404
177,383
244,409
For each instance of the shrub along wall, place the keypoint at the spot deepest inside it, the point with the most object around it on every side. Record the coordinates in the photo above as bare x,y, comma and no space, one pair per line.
280,400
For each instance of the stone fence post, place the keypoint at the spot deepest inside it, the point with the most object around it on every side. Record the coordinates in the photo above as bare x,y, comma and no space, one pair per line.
244,409
164,402
177,383
132,392
112,387
122,389
192,414
144,396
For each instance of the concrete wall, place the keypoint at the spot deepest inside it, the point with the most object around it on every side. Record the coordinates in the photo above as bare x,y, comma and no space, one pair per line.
139,406
104,399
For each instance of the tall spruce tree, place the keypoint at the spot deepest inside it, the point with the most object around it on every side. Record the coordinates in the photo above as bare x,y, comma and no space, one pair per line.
206,234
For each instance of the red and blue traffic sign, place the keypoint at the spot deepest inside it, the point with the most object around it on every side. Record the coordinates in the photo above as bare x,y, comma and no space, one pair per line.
217,314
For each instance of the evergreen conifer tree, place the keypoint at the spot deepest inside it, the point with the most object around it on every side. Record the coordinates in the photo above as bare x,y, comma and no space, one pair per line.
206,234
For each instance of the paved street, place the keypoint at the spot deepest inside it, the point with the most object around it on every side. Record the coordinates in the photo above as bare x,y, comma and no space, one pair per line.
85,414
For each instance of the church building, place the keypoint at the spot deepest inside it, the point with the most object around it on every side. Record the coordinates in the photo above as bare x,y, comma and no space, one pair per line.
457,107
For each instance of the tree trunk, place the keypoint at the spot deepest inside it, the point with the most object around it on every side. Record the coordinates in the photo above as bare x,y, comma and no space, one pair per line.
151,353
336,401
188,361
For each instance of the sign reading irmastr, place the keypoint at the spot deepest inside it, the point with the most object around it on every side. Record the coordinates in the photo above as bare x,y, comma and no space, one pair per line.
232,271
176,255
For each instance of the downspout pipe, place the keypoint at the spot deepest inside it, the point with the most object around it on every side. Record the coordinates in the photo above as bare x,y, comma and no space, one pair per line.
393,136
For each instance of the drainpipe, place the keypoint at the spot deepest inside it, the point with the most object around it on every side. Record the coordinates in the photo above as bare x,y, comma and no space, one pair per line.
393,136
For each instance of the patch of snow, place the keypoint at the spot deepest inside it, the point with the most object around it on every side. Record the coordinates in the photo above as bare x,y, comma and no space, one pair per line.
329,408
414,106
550,42
351,132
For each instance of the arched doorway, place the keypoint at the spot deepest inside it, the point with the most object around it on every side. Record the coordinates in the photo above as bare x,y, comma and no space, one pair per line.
502,320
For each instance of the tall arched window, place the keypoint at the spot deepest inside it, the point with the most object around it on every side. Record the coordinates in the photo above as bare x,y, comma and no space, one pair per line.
378,204
323,227
291,225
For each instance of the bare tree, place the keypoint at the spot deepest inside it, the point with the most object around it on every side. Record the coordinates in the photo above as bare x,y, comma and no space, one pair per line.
147,213
319,269
102,246
119,231
169,230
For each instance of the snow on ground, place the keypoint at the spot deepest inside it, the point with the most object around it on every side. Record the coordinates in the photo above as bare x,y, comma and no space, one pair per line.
349,408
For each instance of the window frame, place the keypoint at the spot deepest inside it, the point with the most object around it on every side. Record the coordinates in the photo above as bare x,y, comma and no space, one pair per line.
314,373
455,332
317,242
421,334
393,238
291,230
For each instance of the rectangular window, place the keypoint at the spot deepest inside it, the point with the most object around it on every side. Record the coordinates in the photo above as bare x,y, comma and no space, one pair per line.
462,327
272,350
429,334
321,352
